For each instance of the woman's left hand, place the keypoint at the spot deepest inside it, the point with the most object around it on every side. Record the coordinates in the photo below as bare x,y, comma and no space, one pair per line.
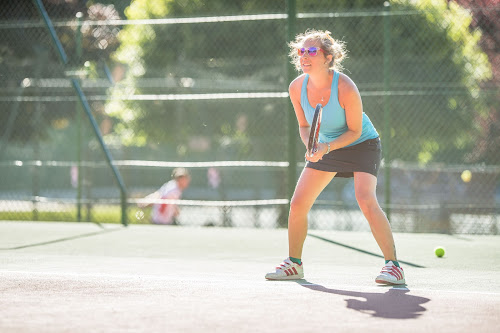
318,155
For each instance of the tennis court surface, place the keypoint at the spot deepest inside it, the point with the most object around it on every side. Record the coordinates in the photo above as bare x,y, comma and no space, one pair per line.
81,277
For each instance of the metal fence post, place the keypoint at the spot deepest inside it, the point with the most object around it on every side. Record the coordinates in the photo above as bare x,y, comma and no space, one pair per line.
78,41
292,146
387,108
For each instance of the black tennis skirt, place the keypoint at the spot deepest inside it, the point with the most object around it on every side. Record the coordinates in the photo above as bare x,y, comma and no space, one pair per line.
362,157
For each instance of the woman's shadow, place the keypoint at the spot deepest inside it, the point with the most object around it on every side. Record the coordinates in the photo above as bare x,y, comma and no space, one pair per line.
395,303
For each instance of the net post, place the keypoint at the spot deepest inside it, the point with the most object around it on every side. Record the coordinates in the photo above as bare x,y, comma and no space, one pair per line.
42,55
123,199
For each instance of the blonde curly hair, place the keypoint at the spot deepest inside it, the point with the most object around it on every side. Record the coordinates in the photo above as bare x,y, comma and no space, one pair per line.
330,45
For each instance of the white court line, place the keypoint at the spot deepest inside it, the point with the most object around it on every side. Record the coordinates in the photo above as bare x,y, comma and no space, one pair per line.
211,279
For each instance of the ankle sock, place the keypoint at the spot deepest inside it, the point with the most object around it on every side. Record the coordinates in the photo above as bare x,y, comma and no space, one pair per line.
394,262
295,260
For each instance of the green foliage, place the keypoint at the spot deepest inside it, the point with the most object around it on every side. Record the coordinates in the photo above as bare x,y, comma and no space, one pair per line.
448,62
178,53
437,67
31,66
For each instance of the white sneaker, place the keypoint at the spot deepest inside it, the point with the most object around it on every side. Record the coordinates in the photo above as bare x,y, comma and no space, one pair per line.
391,274
287,270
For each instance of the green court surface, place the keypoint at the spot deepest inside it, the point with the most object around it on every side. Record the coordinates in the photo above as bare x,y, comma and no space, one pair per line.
80,277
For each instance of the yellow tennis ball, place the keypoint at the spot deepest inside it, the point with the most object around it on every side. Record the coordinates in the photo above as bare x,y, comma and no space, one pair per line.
439,251
466,176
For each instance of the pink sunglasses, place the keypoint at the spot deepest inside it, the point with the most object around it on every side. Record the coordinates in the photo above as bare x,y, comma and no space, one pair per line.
312,51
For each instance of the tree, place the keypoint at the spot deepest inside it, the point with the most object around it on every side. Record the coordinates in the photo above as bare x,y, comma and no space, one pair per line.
193,58
437,54
485,15
437,69
27,55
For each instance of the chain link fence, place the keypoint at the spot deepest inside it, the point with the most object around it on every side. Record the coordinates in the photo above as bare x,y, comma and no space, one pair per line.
203,85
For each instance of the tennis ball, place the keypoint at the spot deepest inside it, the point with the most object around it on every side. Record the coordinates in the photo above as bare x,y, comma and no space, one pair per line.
466,176
439,251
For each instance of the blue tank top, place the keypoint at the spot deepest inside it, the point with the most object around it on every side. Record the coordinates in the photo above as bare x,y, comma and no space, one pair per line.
333,122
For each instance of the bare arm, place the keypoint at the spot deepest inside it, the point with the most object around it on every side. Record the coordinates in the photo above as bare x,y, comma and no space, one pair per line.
294,91
350,100
152,196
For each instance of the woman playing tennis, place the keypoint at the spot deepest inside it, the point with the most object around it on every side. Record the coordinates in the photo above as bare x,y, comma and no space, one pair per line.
349,146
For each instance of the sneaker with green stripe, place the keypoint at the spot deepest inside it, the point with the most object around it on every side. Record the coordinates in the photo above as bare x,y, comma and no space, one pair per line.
391,274
287,270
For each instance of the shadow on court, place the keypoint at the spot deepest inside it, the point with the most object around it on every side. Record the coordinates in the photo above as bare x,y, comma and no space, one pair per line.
394,304
64,239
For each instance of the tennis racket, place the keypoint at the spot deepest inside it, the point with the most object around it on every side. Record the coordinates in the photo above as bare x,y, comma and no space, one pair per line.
312,146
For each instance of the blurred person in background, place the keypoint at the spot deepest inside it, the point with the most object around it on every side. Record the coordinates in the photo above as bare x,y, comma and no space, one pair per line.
166,213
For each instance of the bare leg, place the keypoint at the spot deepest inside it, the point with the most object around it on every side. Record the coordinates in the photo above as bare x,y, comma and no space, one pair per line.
309,186
365,185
